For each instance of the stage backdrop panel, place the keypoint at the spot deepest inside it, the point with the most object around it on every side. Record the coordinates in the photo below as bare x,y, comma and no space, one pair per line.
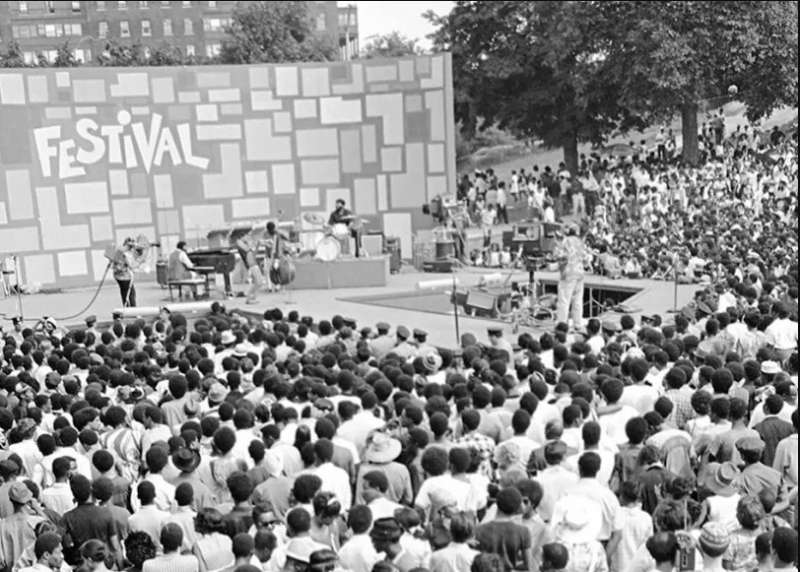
91,155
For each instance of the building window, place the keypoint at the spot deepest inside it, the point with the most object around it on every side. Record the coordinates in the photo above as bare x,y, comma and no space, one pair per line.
321,24
165,3
82,55
144,4
212,50
167,27
212,3
76,6
190,50
188,27
101,5
51,6
73,30
187,3
102,29
124,29
122,4
23,7
215,24
29,57
51,55
146,29
146,51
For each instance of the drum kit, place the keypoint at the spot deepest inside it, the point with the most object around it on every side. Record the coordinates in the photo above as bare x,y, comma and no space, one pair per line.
335,241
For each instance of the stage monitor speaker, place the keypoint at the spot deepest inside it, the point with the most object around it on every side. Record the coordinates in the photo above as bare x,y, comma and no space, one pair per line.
480,302
373,243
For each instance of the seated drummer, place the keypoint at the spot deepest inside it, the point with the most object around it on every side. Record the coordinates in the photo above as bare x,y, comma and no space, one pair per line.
341,215
179,266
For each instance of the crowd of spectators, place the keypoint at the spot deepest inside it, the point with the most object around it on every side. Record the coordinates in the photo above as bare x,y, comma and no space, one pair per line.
286,443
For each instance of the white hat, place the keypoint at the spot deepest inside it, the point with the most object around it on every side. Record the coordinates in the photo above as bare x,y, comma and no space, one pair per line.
227,338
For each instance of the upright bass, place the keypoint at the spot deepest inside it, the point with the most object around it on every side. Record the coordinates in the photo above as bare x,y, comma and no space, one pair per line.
281,267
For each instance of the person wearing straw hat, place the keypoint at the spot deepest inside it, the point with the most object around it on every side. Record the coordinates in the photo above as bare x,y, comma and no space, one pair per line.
380,455
720,482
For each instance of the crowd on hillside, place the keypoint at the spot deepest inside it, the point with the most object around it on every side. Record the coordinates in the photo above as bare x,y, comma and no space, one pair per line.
230,444
647,215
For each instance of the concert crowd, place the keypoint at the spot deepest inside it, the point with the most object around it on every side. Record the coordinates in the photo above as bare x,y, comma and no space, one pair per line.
290,442
734,214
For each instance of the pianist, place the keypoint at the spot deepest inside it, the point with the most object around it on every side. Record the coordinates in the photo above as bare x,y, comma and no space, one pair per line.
179,267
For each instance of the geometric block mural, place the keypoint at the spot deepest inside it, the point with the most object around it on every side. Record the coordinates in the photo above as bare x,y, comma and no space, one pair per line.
91,155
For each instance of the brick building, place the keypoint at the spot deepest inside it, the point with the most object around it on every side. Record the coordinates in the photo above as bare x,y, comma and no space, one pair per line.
195,27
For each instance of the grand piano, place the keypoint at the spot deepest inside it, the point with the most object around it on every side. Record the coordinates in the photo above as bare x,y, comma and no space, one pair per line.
221,260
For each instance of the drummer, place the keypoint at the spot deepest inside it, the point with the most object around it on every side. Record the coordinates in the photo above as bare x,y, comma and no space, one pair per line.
341,215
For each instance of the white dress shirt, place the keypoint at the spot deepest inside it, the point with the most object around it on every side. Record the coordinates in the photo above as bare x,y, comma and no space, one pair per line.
336,481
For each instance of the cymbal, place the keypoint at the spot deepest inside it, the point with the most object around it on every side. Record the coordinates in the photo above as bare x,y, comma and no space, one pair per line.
313,218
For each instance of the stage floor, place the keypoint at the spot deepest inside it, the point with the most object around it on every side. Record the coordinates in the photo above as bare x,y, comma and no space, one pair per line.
651,297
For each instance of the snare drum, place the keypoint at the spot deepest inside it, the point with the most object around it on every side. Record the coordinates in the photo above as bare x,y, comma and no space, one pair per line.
328,249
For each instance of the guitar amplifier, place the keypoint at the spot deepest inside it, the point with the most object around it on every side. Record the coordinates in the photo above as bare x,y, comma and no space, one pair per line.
372,242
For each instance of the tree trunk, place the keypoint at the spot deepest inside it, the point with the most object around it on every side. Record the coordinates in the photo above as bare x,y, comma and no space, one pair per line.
691,154
570,146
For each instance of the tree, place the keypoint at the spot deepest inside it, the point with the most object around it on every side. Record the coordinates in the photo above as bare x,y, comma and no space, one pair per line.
391,45
117,54
274,32
65,57
533,68
13,58
668,57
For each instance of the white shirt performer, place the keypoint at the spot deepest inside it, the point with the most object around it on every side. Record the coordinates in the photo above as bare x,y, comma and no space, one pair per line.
571,254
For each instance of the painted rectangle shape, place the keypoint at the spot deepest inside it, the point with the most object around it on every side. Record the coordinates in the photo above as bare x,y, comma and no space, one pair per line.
381,73
255,182
12,89
317,142
436,158
364,196
283,179
132,211
86,198
72,263
320,171
334,110
221,132
316,82
224,95
58,113
383,193
163,90
89,90
188,97
20,197
309,197
202,217
20,239
248,208
213,79
118,181
305,108
102,228
207,112
163,190
286,80
37,89
39,269
369,143
350,146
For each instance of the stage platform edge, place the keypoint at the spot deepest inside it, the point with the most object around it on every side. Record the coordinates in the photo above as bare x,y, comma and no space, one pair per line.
343,273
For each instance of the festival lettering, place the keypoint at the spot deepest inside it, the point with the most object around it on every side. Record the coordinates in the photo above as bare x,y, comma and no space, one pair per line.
124,143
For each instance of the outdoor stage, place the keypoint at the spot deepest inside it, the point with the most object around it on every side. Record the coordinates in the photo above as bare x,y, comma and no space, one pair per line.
394,303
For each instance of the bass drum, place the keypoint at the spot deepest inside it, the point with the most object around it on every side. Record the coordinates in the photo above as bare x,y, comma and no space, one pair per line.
328,249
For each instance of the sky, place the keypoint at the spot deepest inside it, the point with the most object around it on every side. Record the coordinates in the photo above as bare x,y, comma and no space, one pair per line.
378,18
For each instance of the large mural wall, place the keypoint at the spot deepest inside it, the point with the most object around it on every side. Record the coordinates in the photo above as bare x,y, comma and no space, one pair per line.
89,156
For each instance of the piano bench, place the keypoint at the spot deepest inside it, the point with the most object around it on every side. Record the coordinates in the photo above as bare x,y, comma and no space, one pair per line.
191,283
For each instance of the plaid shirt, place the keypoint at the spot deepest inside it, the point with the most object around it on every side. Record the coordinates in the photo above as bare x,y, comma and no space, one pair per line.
485,447
682,409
